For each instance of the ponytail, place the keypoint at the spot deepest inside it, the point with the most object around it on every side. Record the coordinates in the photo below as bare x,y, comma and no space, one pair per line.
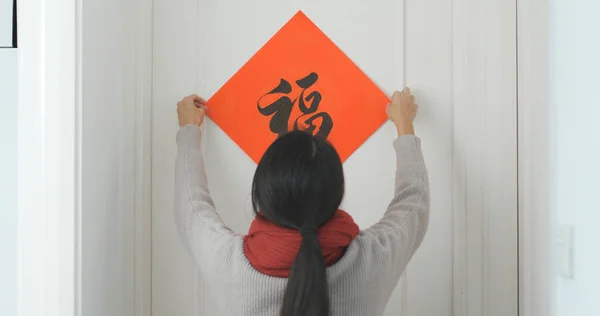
299,183
307,291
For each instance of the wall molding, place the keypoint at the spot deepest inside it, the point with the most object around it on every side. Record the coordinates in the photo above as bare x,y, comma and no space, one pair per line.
143,156
535,218
485,158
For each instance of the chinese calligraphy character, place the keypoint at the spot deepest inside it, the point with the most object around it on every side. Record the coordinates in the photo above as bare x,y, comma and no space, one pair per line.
318,124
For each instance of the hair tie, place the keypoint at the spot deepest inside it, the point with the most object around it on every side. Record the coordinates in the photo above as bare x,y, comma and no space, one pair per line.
308,230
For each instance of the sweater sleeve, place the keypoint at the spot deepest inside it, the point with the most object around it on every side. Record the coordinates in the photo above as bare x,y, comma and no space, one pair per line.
201,229
401,230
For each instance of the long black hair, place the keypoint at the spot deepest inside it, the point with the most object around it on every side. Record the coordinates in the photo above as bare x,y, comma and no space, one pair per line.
299,184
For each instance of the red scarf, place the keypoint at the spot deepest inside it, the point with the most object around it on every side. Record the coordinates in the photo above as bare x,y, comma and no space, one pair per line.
271,249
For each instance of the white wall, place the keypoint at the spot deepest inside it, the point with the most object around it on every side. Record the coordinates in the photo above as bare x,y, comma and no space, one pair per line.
575,147
8,180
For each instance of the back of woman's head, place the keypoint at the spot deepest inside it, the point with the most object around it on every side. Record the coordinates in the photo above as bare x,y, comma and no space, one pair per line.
299,184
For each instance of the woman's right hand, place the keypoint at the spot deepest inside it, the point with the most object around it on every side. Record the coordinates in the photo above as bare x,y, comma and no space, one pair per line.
402,111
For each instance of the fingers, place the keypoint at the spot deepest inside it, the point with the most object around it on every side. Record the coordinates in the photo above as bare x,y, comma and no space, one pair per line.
403,108
405,92
404,95
191,97
194,98
396,97
191,110
415,111
199,100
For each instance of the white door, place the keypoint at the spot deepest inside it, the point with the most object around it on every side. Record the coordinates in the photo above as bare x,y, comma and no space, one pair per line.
467,264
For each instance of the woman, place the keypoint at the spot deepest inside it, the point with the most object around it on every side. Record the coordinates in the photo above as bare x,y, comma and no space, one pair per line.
302,255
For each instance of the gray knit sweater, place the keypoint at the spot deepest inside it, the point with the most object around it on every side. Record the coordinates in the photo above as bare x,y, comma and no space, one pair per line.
360,284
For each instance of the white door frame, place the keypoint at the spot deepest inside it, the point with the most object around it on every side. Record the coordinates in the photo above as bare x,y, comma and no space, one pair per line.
50,160
48,157
48,167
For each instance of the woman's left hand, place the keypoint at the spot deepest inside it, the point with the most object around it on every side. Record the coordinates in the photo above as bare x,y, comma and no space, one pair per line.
191,110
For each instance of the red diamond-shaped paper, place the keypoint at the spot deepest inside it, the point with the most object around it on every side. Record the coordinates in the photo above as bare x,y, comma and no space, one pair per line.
298,80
